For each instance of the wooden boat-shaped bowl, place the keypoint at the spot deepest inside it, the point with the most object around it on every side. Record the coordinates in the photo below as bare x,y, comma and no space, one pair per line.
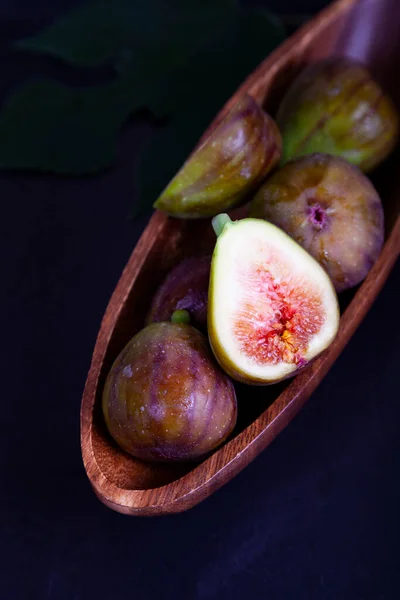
133,487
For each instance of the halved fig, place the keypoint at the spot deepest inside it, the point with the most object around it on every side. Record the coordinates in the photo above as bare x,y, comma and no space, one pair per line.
271,306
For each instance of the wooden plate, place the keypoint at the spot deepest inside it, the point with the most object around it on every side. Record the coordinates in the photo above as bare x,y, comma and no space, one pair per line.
132,487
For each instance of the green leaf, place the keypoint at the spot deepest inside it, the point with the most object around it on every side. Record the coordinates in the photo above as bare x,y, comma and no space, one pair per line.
205,85
129,33
179,59
50,127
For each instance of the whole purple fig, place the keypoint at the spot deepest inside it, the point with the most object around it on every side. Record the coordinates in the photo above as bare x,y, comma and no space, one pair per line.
231,162
335,106
331,209
165,398
184,288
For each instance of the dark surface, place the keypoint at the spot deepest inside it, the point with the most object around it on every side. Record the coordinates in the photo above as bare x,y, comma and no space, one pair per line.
314,517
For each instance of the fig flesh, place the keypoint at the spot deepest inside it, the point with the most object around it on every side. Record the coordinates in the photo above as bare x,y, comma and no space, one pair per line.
165,398
271,307
231,162
184,288
331,209
335,106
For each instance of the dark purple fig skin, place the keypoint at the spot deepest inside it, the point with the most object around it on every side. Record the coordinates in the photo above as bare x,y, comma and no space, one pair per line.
331,209
166,399
184,288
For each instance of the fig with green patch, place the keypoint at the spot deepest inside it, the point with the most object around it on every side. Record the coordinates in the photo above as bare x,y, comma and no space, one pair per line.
228,165
336,107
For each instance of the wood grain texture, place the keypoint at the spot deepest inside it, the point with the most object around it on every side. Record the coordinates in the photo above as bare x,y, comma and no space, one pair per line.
132,487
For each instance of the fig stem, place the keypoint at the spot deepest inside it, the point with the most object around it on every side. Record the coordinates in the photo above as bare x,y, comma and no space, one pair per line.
180,316
219,223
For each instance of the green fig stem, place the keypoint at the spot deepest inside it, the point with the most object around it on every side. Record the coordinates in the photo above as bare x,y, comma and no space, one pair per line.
219,223
180,316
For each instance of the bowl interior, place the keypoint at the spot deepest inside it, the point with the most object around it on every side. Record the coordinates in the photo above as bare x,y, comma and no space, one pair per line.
179,239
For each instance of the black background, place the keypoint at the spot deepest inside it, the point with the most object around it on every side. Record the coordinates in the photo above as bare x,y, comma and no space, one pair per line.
314,517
